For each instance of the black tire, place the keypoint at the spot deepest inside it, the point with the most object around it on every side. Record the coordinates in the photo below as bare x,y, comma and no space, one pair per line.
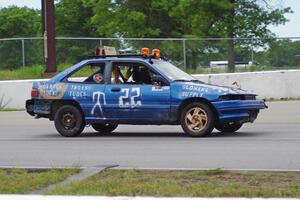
205,124
228,127
104,128
69,121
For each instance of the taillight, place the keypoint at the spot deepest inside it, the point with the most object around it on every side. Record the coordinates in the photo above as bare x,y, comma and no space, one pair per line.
34,92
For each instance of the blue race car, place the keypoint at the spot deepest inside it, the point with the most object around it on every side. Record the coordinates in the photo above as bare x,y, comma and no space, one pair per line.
105,91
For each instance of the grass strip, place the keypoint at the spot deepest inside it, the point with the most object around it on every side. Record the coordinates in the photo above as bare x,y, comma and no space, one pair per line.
20,181
211,183
283,99
30,72
11,109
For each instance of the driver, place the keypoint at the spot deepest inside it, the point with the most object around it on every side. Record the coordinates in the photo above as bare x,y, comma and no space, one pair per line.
141,75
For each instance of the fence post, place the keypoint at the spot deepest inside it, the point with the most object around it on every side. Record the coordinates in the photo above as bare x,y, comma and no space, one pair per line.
23,52
184,54
252,53
100,43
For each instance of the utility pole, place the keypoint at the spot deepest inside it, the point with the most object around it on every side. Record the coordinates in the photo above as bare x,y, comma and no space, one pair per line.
48,20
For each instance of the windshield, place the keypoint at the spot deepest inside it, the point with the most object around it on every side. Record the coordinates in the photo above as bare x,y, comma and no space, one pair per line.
171,71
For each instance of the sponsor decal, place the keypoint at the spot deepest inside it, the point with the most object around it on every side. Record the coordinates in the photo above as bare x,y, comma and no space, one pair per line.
52,91
160,88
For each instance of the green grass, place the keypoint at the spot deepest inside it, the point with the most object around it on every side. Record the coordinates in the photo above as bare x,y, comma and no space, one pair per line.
33,72
20,181
283,99
36,72
10,109
211,183
22,73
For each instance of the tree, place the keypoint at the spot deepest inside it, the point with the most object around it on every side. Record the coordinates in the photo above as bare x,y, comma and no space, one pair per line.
73,18
284,53
232,19
138,19
174,18
19,22
250,19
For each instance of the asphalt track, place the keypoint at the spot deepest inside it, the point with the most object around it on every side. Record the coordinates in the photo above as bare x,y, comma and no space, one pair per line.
271,143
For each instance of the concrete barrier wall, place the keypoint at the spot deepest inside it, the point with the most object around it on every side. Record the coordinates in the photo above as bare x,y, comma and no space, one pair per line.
15,93
274,84
271,84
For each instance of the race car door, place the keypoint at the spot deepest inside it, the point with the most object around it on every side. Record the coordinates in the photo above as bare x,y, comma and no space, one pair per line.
137,98
86,86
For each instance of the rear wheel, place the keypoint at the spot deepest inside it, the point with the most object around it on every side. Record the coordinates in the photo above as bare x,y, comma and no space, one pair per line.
105,128
228,127
69,121
197,119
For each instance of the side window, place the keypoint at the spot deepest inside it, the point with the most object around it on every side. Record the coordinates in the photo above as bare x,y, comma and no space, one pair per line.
90,73
132,73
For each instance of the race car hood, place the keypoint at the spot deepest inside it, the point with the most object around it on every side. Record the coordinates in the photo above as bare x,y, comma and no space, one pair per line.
208,91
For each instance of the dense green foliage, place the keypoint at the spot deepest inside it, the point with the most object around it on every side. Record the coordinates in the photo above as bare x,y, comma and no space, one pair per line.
284,53
150,18
18,22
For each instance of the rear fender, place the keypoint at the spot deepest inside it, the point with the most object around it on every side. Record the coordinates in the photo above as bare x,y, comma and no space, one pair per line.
56,104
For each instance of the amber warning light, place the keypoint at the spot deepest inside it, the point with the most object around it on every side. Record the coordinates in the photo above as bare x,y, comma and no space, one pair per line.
145,51
156,53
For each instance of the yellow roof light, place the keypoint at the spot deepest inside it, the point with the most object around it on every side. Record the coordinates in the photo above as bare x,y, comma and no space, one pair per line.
156,53
145,51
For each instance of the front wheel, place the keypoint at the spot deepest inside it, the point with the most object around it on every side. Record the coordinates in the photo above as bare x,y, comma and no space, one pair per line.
105,128
69,121
197,119
229,127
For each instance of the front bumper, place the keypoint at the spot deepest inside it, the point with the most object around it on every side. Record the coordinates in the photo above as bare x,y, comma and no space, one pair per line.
239,110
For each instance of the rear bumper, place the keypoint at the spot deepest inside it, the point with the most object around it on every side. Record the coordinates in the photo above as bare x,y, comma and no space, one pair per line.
37,107
29,105
239,110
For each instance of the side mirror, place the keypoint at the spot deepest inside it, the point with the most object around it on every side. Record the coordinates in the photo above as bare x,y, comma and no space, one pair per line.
158,80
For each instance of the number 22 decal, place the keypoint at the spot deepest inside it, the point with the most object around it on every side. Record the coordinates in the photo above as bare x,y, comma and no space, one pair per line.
125,102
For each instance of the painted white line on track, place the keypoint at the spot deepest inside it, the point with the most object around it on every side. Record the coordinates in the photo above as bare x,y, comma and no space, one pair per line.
40,197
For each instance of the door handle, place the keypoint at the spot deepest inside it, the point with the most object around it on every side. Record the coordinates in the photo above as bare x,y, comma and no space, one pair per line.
115,89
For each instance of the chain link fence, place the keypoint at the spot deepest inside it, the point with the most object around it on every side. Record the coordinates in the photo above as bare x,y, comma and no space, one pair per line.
193,55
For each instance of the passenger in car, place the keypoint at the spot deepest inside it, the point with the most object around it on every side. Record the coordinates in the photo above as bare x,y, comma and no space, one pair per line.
116,76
